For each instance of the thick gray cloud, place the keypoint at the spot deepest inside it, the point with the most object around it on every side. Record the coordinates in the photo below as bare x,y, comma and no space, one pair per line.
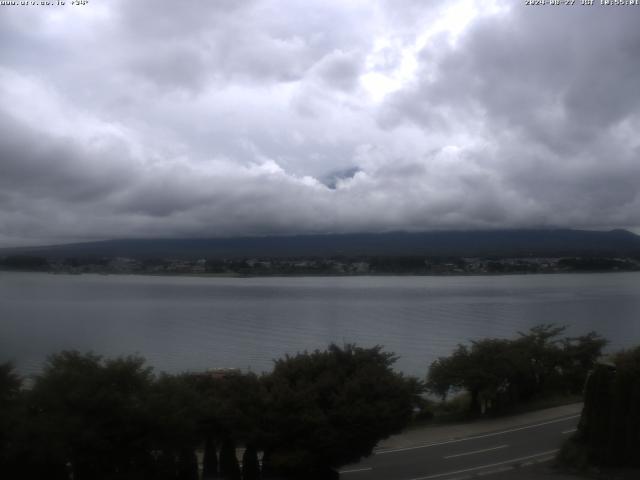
164,118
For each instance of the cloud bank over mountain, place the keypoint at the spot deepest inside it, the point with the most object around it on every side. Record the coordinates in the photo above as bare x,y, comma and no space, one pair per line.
160,118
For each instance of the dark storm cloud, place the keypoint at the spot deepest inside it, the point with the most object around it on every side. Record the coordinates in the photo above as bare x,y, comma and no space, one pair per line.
164,118
47,167
553,92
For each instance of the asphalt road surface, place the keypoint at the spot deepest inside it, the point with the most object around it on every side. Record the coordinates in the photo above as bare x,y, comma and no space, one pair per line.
467,457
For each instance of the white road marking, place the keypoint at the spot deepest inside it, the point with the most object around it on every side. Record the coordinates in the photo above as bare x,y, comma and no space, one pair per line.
476,451
569,431
466,439
356,470
513,460
494,471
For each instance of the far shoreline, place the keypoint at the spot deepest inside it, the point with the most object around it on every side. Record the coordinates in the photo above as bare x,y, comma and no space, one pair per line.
321,275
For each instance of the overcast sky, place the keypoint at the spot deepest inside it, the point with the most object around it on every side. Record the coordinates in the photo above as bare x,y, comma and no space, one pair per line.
158,118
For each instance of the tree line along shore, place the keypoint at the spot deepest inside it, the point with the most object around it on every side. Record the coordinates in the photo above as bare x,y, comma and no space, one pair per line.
334,265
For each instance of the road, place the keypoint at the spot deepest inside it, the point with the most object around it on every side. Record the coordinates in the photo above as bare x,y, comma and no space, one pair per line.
467,457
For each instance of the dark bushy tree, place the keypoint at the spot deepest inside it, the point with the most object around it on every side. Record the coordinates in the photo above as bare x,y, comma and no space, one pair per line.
579,355
500,373
229,467
209,459
166,466
174,409
10,384
539,360
87,417
187,464
90,413
232,410
609,428
329,408
447,374
250,464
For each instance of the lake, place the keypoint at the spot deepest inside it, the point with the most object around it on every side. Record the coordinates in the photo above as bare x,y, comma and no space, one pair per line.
190,323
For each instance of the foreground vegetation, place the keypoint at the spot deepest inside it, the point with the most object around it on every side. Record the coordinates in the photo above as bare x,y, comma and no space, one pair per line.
608,434
91,418
87,417
498,375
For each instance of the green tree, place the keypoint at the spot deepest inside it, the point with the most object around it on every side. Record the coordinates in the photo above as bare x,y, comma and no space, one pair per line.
232,409
175,409
232,405
447,374
484,370
580,356
187,464
625,442
329,408
609,429
10,418
10,383
229,467
499,373
250,464
540,360
90,413
595,423
489,372
209,459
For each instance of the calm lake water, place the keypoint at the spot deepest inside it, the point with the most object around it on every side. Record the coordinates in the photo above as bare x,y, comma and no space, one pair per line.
185,323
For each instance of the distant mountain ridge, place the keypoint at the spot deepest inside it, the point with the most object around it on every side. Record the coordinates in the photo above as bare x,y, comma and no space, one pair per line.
499,243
